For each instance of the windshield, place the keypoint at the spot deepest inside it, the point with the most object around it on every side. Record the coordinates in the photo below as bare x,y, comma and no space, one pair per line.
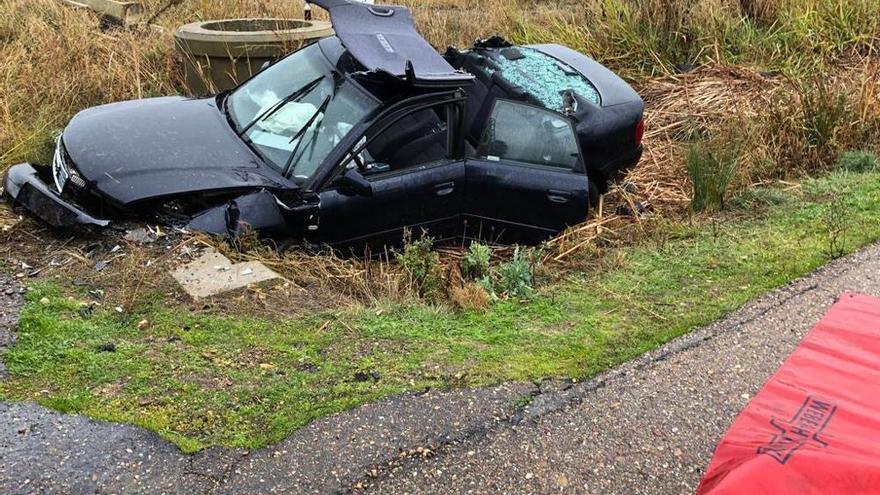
299,105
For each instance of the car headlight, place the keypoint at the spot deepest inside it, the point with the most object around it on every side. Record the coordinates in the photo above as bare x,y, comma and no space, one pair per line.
62,170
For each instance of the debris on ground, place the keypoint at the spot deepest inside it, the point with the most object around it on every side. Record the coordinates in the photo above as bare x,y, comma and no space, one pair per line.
141,236
8,222
211,274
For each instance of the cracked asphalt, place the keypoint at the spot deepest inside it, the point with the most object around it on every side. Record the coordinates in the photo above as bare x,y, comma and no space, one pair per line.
647,427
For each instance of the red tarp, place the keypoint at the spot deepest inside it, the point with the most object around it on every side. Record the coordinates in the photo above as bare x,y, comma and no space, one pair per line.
815,426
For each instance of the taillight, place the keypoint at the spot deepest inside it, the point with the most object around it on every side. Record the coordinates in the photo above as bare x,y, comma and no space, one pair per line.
640,131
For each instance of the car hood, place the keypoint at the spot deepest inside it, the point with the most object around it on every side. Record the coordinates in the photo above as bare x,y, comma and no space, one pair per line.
159,147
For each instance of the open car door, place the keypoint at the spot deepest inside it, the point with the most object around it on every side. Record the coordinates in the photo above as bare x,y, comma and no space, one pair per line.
411,165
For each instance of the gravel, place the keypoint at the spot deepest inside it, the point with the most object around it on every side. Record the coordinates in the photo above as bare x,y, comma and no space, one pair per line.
647,427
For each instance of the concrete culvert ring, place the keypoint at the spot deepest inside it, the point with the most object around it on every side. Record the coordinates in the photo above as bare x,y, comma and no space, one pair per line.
258,26
220,54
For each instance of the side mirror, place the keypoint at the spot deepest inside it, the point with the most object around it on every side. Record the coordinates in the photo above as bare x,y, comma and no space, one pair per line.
353,181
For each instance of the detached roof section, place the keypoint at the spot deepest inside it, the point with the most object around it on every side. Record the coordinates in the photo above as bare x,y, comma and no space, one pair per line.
383,38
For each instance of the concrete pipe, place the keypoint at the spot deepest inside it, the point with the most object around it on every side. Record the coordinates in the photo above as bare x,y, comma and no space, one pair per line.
218,55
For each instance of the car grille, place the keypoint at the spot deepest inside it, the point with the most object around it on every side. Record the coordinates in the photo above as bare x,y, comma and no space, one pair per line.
63,171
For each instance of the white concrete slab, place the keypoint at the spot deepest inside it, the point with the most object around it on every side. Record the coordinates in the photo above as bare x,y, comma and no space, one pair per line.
212,273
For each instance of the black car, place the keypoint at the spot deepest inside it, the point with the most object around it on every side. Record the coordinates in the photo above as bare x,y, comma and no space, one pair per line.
355,138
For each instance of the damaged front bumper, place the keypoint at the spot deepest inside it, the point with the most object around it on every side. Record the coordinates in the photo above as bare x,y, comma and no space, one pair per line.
24,186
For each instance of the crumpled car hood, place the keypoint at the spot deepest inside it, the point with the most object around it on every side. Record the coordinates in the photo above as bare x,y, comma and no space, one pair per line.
160,147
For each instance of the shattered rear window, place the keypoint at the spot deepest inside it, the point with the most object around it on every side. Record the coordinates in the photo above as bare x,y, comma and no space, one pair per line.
544,77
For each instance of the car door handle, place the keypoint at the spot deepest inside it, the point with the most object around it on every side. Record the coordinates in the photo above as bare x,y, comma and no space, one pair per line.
444,189
557,196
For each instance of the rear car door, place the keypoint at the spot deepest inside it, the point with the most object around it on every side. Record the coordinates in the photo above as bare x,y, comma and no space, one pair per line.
416,173
525,181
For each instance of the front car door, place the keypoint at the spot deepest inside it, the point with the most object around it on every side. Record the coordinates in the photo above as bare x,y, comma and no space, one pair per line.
525,181
414,164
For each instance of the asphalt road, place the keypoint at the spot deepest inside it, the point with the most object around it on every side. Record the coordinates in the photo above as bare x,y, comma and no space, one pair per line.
648,427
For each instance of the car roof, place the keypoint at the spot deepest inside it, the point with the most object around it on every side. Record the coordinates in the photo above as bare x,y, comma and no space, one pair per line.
383,38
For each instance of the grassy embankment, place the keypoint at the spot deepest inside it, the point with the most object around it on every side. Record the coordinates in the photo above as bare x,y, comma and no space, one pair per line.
201,379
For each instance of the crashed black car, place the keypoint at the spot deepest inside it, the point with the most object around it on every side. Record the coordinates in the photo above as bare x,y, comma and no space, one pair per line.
355,138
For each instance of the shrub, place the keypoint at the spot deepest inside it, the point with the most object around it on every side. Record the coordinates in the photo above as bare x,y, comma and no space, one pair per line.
475,263
711,169
421,265
515,276
858,161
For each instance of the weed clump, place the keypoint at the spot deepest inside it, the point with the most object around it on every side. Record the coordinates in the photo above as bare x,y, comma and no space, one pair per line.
824,111
475,263
515,277
471,295
836,219
711,169
421,265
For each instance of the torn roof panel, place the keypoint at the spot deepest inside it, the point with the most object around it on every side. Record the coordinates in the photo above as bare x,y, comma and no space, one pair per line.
383,38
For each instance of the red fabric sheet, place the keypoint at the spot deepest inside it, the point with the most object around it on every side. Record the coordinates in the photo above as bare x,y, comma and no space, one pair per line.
814,428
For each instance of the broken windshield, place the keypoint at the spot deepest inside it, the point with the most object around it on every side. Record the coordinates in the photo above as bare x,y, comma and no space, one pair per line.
300,99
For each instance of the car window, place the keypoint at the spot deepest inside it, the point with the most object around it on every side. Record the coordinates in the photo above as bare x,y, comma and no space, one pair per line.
296,111
416,139
524,133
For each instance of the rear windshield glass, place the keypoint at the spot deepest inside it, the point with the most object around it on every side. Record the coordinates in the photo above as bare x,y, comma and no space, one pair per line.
542,75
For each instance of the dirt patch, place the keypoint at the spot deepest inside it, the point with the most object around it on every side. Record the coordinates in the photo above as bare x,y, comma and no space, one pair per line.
118,271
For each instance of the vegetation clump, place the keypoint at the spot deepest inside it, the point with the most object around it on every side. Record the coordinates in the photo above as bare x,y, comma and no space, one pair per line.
421,265
711,170
516,277
475,262
858,161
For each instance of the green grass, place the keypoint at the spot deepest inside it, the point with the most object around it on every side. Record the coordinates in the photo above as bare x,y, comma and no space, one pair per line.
201,380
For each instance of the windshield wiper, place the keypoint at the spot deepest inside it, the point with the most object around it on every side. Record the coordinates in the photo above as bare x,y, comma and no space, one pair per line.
321,109
299,93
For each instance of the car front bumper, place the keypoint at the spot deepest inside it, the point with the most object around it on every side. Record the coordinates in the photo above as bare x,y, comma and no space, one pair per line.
24,187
